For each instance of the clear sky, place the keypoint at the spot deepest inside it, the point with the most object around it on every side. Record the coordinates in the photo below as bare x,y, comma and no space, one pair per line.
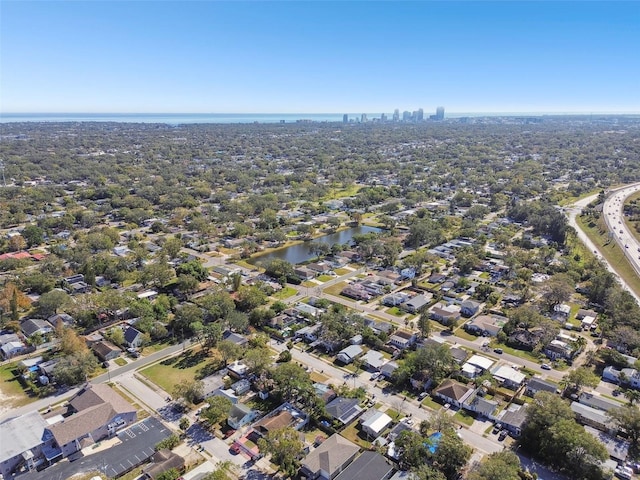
315,57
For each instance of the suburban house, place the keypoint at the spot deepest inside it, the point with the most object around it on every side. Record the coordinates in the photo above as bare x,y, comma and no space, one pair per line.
36,326
240,415
395,299
476,366
453,392
132,337
598,402
445,314
369,466
535,385
162,461
417,303
105,350
469,308
58,318
594,417
237,369
329,459
509,377
324,392
402,339
349,354
373,360
343,409
557,349
388,368
11,345
486,325
286,415
373,422
513,418
480,405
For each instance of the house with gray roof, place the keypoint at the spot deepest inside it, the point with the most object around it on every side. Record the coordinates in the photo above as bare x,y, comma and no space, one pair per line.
343,409
598,402
349,354
329,459
369,466
35,326
592,416
240,415
535,385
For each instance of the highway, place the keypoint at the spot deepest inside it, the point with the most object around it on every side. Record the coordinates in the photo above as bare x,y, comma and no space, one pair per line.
610,206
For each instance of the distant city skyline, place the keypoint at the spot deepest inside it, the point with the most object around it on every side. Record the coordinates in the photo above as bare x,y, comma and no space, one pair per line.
319,57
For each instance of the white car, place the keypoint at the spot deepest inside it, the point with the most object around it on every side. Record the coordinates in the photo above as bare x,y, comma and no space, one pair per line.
545,366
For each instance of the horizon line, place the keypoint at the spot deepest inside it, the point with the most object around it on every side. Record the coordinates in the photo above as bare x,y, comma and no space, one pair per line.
476,112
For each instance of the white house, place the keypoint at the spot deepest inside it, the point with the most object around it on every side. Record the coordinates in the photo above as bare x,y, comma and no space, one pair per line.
374,424
349,354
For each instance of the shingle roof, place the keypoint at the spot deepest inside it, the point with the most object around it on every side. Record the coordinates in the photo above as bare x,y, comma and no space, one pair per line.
93,395
280,420
369,466
82,423
453,390
331,455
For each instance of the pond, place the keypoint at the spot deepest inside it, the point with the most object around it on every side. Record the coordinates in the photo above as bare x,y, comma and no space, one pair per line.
303,252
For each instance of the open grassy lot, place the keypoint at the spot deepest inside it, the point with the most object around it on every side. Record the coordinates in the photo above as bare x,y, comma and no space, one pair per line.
12,393
463,417
324,278
342,271
286,292
192,364
336,289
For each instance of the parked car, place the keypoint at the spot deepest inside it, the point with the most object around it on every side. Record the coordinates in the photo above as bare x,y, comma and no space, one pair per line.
422,396
502,436
499,351
545,366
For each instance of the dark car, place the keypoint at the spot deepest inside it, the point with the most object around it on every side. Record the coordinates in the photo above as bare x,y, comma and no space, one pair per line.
498,350
502,436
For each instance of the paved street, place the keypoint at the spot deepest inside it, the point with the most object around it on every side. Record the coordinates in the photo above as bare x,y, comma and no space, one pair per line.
396,402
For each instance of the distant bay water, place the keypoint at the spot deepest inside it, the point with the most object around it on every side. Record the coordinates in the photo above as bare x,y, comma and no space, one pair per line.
191,118
174,118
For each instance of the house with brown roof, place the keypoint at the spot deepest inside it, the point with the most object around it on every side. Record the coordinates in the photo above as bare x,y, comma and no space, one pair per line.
453,392
162,461
105,350
329,459
96,412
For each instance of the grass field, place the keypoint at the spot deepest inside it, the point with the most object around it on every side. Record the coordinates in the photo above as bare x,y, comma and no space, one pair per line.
120,361
324,278
342,271
336,289
286,292
463,417
613,253
631,225
11,392
192,365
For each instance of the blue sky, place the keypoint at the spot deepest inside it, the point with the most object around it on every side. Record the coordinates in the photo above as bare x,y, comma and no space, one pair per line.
303,56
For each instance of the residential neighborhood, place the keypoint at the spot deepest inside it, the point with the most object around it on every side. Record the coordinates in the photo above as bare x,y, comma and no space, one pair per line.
372,326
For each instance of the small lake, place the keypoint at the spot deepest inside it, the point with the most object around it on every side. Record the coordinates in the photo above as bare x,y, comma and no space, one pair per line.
303,252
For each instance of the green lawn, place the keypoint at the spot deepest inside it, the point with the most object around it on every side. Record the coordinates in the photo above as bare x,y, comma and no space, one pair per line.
156,347
192,364
342,271
395,311
120,361
336,289
352,433
460,332
430,403
11,387
463,417
324,278
286,292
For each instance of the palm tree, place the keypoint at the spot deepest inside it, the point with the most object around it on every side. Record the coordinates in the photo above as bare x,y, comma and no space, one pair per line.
632,396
